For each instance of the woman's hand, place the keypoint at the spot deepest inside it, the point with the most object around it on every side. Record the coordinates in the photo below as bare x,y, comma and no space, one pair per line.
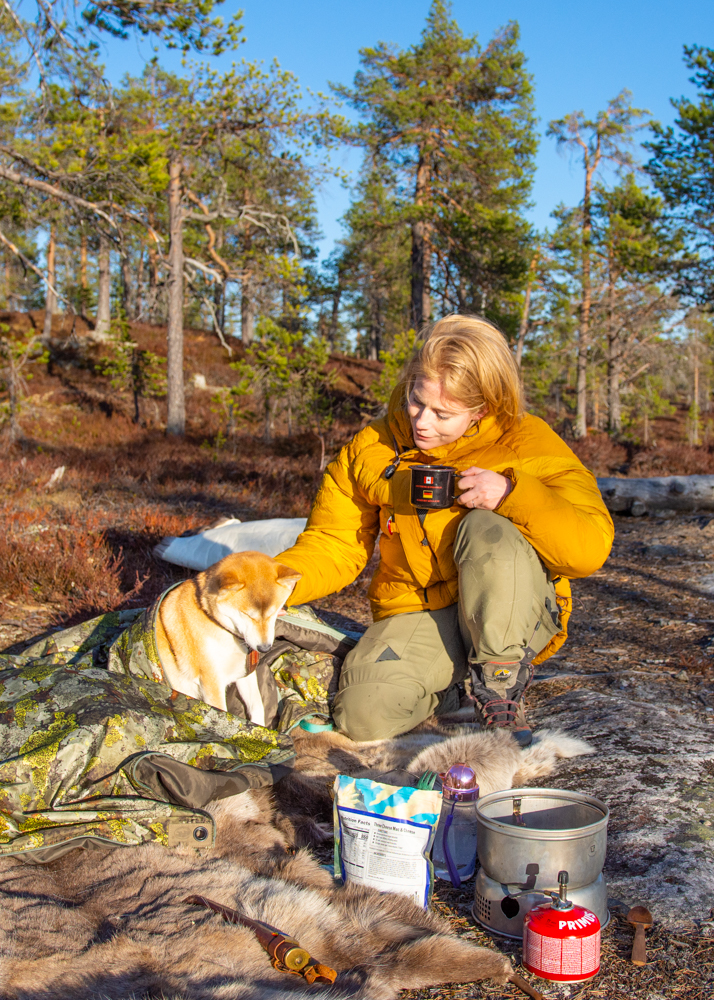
483,489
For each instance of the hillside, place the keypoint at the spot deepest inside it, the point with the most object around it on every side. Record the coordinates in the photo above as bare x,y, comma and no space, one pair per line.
82,542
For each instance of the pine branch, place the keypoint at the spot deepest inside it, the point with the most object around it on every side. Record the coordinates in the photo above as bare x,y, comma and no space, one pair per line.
54,191
28,265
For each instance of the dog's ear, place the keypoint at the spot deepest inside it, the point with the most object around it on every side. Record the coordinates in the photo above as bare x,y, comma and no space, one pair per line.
233,588
287,576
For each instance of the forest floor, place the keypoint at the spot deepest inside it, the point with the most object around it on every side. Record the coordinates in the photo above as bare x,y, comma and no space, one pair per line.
82,544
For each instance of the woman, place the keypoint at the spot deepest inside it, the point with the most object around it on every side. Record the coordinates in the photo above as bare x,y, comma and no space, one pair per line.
483,585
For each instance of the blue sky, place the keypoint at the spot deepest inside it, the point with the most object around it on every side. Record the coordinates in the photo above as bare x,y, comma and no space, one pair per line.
580,55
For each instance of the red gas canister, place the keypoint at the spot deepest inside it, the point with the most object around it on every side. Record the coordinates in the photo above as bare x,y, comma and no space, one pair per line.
561,941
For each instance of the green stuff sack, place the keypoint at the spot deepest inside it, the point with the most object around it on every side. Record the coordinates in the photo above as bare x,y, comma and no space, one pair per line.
96,749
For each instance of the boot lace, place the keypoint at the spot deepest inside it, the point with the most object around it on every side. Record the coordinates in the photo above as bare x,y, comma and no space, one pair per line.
492,710
499,712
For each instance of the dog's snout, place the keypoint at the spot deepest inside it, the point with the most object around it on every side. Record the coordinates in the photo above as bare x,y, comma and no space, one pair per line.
264,647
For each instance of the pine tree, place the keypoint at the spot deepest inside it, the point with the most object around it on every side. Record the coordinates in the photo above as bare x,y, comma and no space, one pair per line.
640,253
635,253
373,264
682,168
454,123
606,138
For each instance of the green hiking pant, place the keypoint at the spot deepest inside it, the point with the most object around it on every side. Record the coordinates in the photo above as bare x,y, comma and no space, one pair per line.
392,679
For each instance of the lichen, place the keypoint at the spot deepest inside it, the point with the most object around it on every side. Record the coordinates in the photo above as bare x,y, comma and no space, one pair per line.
41,748
160,831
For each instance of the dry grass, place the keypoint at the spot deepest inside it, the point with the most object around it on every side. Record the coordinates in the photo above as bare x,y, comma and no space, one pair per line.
86,545
671,456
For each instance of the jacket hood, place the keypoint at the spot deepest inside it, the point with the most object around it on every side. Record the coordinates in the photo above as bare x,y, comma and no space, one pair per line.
485,432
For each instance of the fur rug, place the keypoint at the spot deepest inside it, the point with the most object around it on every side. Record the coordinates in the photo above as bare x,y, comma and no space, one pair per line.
305,800
112,923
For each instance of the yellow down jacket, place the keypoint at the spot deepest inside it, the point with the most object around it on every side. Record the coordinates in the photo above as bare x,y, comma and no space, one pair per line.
555,503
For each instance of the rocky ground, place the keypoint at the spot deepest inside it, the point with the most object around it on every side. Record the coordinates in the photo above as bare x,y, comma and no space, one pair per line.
637,680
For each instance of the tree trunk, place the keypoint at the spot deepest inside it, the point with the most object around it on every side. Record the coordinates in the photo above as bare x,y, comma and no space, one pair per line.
83,282
374,345
523,329
127,288
12,296
614,359
581,420
176,419
219,290
139,299
219,304
421,251
51,296
335,318
153,274
695,401
102,327
269,405
659,493
247,310
614,374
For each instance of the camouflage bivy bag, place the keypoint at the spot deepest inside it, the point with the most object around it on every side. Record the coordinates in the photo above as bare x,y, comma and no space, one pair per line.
95,748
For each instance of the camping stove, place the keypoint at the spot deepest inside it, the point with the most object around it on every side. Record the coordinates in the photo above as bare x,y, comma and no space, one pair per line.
526,836
497,908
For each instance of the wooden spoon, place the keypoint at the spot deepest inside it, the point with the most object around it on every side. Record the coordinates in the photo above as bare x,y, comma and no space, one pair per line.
640,918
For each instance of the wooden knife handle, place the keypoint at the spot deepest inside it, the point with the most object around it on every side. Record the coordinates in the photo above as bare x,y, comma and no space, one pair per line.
639,954
521,983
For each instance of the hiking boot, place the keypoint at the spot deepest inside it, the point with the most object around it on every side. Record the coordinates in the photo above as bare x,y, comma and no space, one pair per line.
506,714
449,700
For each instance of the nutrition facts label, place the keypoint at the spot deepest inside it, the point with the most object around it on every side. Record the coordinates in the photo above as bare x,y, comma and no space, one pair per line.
388,854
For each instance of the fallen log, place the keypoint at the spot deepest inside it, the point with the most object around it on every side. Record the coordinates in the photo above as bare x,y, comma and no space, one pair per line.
660,495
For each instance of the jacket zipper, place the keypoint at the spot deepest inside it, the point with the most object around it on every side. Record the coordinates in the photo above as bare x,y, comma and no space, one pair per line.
425,541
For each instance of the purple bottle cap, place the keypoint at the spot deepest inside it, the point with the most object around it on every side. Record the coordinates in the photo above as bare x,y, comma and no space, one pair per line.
459,783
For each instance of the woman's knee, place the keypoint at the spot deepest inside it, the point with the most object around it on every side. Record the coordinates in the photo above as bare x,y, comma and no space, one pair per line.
374,711
485,529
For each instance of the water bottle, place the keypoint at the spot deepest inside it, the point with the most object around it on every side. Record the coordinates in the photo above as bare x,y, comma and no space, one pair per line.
454,851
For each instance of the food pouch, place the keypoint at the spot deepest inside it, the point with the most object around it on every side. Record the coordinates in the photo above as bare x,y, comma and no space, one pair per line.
384,834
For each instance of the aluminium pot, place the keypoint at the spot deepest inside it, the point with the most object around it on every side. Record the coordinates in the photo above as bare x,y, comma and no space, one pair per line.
527,835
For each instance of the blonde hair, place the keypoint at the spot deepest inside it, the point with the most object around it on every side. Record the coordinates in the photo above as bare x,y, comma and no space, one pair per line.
472,361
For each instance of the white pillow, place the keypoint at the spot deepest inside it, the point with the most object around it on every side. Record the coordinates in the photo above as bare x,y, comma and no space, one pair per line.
203,550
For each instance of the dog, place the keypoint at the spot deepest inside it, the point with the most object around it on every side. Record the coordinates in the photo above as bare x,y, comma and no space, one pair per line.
206,628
